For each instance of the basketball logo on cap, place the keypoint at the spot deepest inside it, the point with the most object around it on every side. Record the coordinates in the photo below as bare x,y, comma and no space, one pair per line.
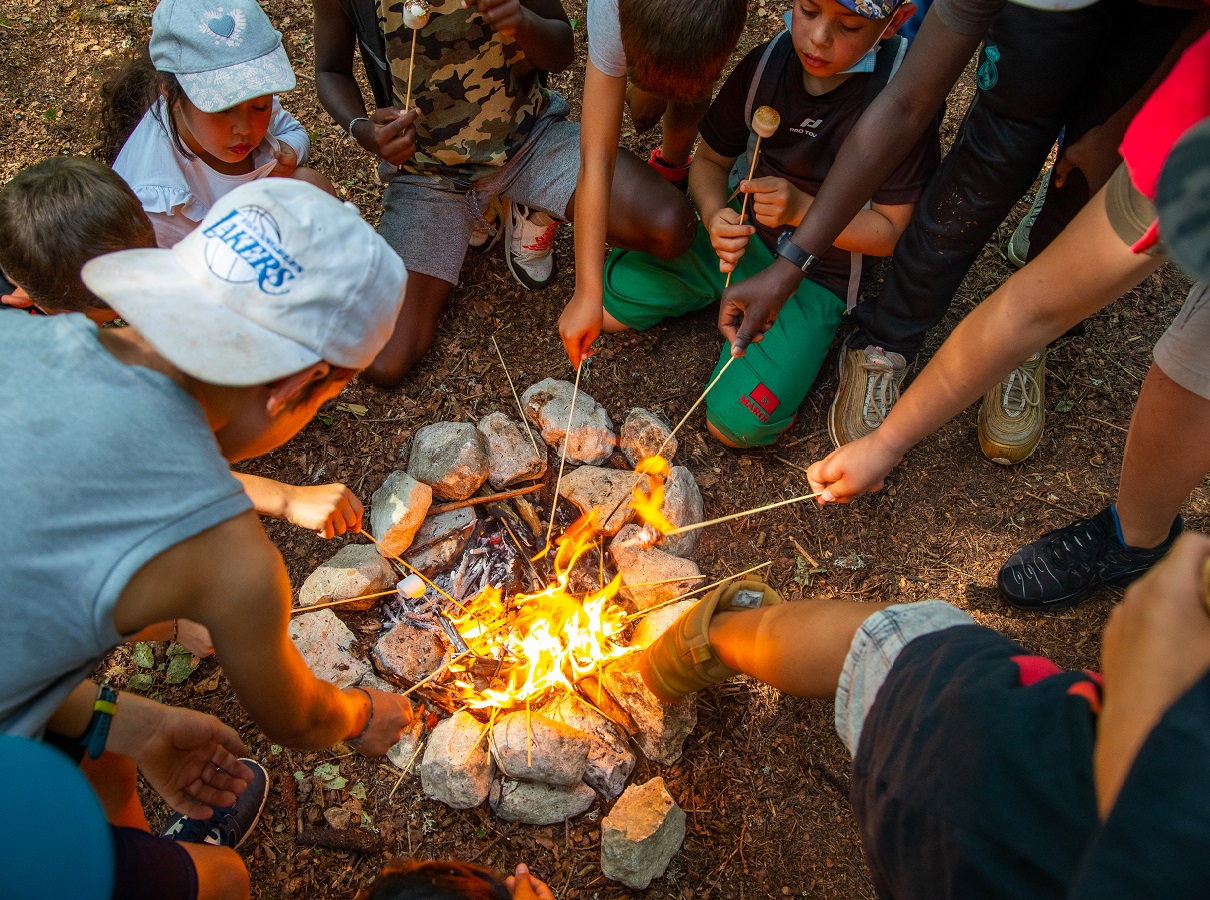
225,26
244,246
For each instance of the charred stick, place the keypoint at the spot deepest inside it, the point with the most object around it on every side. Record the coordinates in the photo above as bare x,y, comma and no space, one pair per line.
489,498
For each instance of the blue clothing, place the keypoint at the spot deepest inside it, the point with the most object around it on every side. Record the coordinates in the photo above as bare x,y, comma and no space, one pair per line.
106,466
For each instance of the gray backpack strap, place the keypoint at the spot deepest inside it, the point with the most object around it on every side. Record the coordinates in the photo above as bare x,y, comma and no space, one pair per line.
760,89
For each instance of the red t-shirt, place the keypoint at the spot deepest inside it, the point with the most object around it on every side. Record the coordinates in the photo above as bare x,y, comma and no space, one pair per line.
1179,103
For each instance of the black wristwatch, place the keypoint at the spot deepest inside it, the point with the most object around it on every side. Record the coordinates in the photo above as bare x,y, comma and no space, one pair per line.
787,249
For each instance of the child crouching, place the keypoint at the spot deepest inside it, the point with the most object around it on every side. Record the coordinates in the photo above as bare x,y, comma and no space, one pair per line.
197,116
819,75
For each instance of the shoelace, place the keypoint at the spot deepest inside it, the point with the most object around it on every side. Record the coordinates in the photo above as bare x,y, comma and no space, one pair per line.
544,240
1021,391
881,391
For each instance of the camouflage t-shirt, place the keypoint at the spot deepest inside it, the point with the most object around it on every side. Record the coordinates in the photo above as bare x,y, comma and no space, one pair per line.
478,95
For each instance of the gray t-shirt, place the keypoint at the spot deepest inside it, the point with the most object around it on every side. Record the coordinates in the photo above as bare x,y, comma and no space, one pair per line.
103,466
605,37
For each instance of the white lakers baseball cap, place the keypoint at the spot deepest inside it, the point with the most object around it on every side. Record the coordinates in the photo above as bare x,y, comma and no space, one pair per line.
277,277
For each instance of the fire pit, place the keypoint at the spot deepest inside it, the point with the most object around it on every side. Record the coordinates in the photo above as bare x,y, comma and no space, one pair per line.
527,652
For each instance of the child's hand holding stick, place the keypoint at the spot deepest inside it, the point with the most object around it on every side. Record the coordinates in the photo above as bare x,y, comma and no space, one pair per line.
391,135
764,122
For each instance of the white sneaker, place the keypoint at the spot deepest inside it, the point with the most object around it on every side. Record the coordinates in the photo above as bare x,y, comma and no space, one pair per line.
529,246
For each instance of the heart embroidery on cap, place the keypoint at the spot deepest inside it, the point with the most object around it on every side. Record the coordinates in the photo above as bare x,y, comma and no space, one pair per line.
225,26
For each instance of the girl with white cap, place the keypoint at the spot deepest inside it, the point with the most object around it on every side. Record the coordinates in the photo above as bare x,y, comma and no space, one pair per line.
196,116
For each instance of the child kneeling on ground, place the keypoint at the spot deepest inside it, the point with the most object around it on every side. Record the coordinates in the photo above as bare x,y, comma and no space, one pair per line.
819,75
197,117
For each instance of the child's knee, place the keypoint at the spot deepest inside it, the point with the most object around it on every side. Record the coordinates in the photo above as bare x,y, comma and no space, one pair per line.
673,228
311,177
221,872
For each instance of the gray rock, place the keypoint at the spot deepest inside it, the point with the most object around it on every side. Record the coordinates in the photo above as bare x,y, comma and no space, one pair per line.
409,653
682,506
441,540
355,570
652,625
511,455
450,457
457,769
372,679
610,761
641,834
539,804
591,487
324,641
639,568
662,727
592,438
405,753
397,509
643,434
534,748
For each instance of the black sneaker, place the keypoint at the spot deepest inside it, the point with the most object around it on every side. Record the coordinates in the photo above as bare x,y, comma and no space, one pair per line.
1064,566
228,826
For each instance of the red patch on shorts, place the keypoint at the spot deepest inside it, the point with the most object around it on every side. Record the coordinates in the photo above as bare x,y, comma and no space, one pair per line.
765,398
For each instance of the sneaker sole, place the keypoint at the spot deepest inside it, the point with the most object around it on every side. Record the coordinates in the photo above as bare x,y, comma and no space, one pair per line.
836,400
523,278
256,819
1011,253
1071,600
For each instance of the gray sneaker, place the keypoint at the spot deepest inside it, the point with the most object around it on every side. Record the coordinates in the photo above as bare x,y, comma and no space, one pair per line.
1017,249
870,380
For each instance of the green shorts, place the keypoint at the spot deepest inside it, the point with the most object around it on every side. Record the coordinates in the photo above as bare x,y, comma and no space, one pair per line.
757,399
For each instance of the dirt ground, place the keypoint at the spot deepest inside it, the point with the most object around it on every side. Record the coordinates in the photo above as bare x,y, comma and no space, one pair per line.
764,778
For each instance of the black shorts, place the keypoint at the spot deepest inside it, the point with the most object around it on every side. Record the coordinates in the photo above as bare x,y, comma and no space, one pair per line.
147,867
973,774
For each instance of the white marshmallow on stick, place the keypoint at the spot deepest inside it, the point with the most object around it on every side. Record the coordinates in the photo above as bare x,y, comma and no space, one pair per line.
764,122
415,17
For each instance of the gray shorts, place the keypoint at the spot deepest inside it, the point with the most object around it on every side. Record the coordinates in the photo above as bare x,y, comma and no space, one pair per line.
430,226
1183,351
874,650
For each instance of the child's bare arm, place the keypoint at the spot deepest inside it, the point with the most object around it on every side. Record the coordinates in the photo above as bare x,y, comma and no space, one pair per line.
540,27
605,97
326,509
232,580
874,231
388,133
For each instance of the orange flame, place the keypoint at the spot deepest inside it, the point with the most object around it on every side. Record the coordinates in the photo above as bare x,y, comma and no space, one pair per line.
649,505
546,640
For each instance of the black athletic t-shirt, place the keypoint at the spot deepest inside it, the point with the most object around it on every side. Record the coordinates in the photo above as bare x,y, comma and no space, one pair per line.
806,144
973,779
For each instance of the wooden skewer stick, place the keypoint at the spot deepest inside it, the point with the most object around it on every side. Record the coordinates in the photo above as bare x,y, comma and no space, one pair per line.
743,207
319,606
411,568
685,418
697,590
666,581
489,498
427,678
747,512
407,103
554,504
517,400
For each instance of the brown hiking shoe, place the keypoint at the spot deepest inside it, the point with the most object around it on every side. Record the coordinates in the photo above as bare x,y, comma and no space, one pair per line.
681,661
869,386
1013,413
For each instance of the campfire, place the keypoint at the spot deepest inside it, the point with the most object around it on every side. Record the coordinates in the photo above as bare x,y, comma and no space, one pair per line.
525,652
